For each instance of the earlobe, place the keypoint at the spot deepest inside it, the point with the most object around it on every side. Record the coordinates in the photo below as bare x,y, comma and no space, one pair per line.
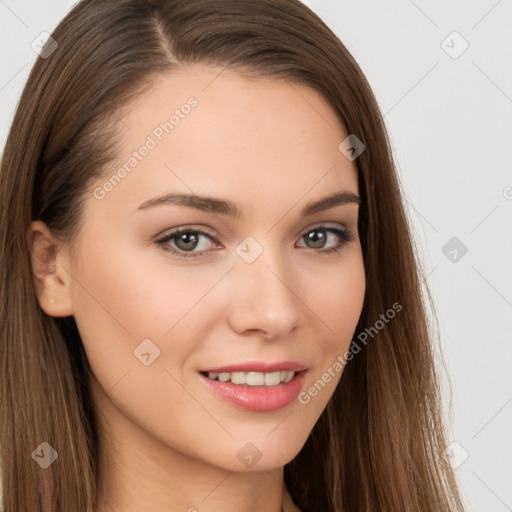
51,279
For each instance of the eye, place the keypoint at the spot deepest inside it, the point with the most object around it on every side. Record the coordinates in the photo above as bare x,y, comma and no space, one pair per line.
318,237
186,240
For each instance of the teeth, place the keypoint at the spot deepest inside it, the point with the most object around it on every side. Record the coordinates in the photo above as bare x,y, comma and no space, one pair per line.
238,378
253,378
272,379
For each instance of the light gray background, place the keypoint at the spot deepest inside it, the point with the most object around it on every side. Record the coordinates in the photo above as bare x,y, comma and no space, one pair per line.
450,122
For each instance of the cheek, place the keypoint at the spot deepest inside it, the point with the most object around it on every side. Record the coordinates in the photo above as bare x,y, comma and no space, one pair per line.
338,308
123,309
115,310
124,295
338,303
124,289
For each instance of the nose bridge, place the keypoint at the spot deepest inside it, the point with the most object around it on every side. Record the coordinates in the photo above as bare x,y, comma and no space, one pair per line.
265,299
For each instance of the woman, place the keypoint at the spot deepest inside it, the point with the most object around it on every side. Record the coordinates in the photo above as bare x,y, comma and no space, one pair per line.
283,361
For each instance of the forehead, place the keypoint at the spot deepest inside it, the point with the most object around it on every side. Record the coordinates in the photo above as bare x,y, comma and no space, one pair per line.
208,130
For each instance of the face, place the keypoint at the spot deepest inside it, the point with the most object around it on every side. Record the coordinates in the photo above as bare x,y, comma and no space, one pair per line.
165,292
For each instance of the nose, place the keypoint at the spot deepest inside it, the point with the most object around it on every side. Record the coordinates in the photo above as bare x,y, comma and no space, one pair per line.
263,298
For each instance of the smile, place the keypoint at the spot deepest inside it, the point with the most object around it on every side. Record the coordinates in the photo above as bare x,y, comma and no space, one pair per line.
255,391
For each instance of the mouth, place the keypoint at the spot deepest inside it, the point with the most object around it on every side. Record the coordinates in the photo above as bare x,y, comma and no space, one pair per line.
255,391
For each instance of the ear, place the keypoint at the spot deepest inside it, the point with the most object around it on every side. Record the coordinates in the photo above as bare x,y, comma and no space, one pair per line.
50,271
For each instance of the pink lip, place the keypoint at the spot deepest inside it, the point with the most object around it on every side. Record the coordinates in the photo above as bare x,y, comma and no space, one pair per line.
257,398
259,366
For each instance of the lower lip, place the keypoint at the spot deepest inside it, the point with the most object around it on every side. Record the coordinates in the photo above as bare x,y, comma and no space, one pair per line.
258,398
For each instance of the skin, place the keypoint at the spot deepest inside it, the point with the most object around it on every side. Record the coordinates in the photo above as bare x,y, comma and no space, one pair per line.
169,443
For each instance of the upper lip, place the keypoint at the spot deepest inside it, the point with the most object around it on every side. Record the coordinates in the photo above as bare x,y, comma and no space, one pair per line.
259,366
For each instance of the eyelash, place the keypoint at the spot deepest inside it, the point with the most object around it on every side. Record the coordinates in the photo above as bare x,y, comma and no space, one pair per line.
345,236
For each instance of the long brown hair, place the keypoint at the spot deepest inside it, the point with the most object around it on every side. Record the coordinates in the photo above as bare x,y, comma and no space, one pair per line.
378,445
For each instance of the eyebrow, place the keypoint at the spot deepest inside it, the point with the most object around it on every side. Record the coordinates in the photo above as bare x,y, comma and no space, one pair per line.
226,207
